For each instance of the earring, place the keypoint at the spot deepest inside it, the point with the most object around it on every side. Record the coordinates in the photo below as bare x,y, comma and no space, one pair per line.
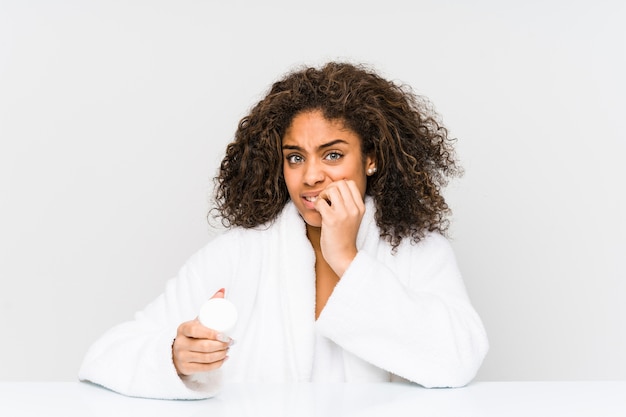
371,171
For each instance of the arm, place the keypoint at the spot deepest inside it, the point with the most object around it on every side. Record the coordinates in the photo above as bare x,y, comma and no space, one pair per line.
409,315
136,358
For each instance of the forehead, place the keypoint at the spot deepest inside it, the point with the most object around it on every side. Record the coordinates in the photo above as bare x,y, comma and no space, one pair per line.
313,126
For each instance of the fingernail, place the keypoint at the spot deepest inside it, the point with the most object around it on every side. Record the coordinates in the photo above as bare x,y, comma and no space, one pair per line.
223,338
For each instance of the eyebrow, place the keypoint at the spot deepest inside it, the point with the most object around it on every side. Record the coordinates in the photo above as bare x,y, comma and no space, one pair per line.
322,146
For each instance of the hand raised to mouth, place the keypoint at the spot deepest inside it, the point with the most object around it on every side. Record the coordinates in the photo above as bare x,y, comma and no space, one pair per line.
342,208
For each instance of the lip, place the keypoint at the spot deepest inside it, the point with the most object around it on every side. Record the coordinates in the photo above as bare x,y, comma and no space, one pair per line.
305,199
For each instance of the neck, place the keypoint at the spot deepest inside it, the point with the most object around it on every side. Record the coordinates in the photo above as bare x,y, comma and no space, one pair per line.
313,234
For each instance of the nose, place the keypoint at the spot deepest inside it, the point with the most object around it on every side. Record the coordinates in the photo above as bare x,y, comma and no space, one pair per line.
313,172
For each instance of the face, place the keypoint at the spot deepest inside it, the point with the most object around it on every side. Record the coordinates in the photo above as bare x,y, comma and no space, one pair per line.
317,152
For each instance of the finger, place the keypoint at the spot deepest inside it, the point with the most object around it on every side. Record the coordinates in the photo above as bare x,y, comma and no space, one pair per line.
350,194
183,347
356,195
322,204
332,194
183,356
194,368
351,201
195,330
203,358
206,345
220,293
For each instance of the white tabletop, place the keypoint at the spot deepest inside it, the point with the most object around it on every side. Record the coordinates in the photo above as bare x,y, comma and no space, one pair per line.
481,399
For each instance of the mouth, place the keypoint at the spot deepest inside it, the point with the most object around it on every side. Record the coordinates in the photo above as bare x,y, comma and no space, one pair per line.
309,200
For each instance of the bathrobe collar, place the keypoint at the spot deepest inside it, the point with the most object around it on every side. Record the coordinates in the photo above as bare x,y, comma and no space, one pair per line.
296,259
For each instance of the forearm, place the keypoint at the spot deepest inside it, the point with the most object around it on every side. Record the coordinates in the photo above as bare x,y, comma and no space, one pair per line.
137,361
431,338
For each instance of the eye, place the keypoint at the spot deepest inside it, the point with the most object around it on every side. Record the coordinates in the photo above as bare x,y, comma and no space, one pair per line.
333,156
294,158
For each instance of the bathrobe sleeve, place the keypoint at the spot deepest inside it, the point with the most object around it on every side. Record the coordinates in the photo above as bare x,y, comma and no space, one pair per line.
135,358
409,315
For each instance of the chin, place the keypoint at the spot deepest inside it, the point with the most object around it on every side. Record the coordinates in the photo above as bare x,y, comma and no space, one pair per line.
312,219
314,224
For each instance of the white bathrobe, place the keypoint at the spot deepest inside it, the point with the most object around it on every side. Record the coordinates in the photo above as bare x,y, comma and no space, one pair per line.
391,316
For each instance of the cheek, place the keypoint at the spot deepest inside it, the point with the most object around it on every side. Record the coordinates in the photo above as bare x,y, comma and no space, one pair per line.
289,182
361,181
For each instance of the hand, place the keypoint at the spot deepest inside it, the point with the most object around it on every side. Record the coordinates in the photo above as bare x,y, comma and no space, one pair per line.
198,348
341,219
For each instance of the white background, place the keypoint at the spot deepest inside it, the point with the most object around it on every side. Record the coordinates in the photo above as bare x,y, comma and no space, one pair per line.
114,116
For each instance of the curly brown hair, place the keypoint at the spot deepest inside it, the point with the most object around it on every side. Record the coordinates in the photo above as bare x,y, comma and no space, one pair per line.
414,155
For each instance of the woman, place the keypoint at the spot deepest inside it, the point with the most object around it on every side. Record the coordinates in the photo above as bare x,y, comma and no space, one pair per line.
334,253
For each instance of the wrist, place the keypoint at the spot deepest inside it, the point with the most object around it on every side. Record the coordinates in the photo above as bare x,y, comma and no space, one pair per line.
343,263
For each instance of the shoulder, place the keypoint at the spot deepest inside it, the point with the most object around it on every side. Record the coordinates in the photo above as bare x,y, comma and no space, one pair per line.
432,244
241,238
433,252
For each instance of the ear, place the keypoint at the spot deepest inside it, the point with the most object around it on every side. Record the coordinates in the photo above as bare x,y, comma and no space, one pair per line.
370,165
